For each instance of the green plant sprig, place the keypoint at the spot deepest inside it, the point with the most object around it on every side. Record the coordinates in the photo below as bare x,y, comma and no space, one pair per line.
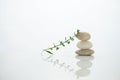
62,43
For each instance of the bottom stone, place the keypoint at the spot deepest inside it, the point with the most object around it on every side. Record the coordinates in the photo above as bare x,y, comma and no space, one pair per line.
85,52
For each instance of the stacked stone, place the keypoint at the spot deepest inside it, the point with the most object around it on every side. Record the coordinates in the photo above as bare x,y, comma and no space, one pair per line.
84,45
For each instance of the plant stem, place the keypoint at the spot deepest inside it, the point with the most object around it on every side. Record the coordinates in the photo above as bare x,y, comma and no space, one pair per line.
62,43
59,44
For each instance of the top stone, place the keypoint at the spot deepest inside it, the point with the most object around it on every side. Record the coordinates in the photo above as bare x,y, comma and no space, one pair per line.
84,36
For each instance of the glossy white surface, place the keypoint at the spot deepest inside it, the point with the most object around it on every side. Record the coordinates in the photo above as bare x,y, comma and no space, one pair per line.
27,27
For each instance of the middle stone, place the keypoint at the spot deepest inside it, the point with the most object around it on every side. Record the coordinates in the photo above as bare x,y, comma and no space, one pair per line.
84,44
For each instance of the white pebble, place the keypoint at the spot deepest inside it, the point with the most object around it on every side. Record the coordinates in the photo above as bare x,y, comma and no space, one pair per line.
84,44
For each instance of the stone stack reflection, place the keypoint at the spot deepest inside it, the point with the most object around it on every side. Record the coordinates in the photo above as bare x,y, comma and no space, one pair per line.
84,45
84,65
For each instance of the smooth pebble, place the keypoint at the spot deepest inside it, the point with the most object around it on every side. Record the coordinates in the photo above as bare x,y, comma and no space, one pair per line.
85,52
84,36
84,44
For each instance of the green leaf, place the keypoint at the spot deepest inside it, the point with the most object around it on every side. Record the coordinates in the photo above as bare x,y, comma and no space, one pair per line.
71,38
62,43
49,52
51,48
57,48
68,41
78,31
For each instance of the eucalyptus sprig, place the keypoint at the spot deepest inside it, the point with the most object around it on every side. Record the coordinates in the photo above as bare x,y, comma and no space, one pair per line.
62,43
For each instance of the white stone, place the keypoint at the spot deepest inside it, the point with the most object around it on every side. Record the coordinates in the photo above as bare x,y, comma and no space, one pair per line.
84,44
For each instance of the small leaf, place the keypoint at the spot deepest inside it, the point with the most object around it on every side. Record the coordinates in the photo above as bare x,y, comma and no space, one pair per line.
71,38
51,48
57,48
62,43
78,31
68,42
49,52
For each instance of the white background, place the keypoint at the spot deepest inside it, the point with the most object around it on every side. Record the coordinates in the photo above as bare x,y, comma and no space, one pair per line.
28,26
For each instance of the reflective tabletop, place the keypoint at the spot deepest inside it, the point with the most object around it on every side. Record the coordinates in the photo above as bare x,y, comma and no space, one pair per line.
27,27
